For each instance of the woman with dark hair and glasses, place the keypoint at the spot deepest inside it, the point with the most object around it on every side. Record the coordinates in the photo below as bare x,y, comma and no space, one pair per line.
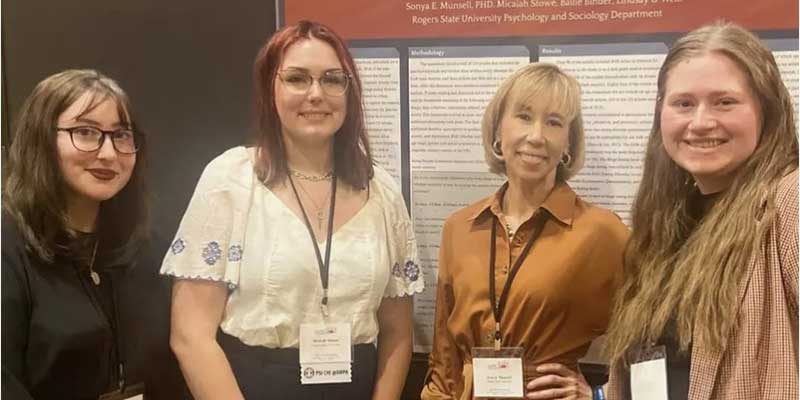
75,321
298,248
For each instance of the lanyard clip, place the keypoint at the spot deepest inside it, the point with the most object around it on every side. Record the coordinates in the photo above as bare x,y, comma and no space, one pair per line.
121,377
324,303
497,336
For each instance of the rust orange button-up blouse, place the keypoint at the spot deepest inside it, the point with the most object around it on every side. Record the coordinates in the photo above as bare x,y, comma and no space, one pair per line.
558,303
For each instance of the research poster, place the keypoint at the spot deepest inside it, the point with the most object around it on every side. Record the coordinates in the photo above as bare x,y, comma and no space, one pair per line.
429,68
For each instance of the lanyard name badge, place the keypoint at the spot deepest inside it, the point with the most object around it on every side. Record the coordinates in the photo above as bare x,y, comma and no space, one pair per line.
498,370
649,374
124,391
130,392
326,354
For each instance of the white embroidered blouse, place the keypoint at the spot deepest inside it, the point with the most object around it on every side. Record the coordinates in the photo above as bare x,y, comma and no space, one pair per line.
237,231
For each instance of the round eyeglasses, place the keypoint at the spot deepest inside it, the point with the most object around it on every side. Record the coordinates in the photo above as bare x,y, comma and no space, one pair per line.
333,83
89,139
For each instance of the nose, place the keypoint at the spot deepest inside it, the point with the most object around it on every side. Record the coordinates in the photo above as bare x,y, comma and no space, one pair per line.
702,119
535,134
315,91
107,150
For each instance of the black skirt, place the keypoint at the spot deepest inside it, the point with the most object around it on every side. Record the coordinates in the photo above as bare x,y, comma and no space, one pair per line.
266,374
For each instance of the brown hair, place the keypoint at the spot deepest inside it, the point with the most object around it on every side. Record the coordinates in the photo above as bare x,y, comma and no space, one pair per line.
35,190
352,158
688,268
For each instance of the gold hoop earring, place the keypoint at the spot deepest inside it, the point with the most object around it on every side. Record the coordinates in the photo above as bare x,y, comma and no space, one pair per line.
566,159
496,148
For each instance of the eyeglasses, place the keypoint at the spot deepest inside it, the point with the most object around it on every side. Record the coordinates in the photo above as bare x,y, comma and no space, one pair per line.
89,139
333,83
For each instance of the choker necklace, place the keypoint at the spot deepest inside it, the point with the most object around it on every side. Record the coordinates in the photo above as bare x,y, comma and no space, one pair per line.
311,178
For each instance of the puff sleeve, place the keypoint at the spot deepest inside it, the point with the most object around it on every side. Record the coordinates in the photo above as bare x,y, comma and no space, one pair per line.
210,239
406,277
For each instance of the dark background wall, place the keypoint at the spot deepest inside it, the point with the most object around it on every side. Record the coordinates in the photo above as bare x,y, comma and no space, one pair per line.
186,65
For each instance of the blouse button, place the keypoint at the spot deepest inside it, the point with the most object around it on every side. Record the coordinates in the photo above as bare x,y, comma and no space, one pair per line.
490,338
505,269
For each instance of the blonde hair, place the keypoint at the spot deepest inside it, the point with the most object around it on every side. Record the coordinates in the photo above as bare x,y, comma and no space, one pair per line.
527,83
689,268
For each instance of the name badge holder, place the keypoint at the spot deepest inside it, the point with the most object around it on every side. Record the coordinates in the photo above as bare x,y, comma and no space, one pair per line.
130,392
649,374
498,372
125,390
326,349
326,353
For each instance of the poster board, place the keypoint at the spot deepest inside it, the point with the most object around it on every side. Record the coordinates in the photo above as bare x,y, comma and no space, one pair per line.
430,67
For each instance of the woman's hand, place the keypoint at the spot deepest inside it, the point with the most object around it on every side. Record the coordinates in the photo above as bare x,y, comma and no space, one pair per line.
558,382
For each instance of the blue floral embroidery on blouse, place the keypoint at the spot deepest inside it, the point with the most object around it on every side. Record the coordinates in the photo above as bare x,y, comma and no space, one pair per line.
177,246
235,253
396,270
411,271
212,253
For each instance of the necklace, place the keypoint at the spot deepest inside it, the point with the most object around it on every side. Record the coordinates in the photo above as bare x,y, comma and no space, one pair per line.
509,229
319,212
311,178
92,273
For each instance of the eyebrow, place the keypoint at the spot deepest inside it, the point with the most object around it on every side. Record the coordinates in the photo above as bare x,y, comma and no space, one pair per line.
95,123
715,93
525,107
306,70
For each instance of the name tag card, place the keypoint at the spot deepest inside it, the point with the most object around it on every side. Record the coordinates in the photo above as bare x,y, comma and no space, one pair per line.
325,353
131,392
649,375
497,373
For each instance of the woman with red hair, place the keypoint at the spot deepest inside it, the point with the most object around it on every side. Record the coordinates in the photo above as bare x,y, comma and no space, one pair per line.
299,249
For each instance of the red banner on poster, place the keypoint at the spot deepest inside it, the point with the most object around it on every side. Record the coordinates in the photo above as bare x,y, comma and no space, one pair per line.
379,19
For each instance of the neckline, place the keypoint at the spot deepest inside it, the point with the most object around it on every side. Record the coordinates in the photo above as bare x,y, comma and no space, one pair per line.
336,232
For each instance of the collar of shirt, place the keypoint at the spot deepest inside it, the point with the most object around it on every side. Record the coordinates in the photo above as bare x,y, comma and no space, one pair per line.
560,203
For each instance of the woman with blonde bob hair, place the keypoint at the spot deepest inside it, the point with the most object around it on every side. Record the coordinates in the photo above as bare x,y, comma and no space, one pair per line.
523,272
712,265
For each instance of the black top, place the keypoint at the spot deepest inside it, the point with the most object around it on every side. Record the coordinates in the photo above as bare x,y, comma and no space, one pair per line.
679,362
59,330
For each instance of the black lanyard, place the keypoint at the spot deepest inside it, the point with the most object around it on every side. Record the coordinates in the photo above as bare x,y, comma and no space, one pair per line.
323,266
497,307
113,322
119,342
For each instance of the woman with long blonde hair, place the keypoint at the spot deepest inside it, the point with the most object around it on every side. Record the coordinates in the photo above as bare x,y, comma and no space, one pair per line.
711,269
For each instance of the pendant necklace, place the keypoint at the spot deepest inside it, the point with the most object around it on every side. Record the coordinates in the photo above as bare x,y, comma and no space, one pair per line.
92,273
319,212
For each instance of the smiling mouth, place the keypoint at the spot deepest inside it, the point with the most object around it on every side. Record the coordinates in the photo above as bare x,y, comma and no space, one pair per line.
315,115
705,143
531,157
102,174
